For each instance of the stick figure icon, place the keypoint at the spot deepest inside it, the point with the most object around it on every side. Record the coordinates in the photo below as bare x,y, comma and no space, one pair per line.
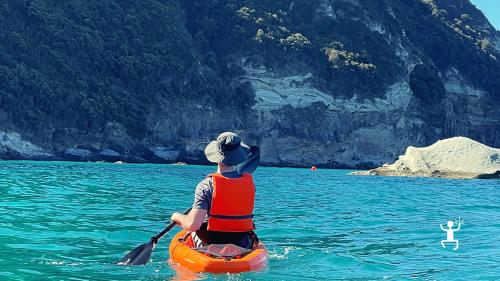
450,233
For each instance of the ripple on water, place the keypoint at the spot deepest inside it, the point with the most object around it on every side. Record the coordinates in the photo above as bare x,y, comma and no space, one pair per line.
72,221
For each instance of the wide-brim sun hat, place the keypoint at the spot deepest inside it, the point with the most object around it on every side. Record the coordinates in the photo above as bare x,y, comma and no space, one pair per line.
227,149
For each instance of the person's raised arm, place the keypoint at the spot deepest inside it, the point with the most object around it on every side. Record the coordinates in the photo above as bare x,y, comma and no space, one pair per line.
192,221
458,228
442,227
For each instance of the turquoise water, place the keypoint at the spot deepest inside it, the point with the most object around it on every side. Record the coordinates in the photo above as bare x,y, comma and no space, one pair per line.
72,221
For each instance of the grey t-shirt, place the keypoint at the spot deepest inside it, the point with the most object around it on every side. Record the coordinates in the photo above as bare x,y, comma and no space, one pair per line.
203,193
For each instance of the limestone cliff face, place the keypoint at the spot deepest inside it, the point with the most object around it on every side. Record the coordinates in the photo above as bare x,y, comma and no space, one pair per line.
339,83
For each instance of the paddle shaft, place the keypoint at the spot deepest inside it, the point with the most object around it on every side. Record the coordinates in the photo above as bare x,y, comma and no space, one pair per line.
169,227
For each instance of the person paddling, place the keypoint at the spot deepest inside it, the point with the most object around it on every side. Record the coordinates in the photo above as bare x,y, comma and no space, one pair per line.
224,201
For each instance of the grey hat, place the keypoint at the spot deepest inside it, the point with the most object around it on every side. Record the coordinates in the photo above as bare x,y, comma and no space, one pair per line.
227,149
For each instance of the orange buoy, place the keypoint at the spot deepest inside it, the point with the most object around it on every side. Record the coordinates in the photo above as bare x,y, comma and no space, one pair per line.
313,168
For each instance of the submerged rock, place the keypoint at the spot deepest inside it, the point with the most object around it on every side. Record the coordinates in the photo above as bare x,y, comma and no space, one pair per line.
457,157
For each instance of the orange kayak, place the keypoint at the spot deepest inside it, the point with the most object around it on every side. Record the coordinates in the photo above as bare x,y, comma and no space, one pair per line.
182,253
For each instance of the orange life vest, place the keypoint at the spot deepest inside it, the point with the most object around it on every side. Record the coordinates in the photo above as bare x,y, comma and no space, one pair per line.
232,204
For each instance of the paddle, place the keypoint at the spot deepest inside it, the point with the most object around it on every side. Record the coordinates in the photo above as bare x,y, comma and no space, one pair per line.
141,254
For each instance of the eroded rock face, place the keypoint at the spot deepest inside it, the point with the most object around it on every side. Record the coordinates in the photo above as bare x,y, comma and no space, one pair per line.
165,154
13,146
457,157
110,155
77,154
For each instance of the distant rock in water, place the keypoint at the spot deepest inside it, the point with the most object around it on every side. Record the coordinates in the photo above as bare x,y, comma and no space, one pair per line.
457,157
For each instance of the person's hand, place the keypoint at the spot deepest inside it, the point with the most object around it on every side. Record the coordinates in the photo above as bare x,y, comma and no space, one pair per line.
175,218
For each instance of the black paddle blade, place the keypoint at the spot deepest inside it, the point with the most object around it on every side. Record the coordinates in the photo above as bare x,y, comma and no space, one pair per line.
139,255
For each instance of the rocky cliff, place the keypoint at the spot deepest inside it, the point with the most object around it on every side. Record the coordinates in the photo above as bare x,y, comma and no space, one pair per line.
338,83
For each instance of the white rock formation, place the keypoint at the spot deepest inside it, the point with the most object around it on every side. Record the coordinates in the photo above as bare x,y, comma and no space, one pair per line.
457,157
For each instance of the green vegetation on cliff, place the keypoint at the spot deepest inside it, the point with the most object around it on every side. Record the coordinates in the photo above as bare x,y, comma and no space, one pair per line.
81,64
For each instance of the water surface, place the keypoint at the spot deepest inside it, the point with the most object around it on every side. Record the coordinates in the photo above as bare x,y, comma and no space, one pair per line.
72,221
